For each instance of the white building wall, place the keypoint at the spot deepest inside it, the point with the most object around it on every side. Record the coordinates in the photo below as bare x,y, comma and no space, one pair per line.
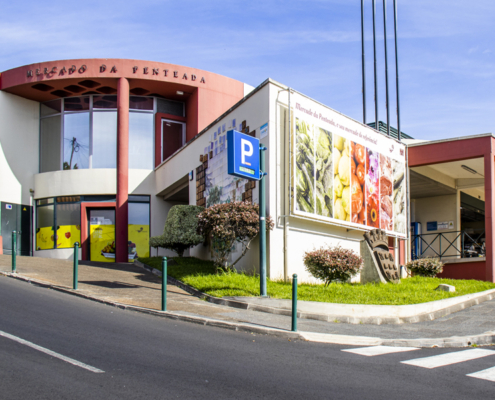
19,143
303,234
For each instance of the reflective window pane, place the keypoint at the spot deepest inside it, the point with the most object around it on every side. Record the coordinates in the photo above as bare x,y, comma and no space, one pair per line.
50,144
44,228
76,141
68,225
141,137
172,137
76,104
170,107
141,103
105,101
51,107
139,230
105,139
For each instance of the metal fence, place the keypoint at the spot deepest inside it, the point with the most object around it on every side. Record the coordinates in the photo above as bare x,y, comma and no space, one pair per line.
471,244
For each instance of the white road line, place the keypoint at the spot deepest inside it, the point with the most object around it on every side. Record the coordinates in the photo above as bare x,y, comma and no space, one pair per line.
486,374
449,358
51,353
379,350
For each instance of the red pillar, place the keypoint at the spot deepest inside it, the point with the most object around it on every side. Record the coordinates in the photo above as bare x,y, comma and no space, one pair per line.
121,208
489,214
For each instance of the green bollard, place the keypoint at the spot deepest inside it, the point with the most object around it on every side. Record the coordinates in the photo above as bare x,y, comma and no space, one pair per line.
76,266
294,303
164,284
14,251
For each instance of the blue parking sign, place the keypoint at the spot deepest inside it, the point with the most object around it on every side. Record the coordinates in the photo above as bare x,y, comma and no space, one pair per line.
243,155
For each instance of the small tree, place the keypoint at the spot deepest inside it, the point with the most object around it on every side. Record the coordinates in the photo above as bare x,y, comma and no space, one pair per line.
181,230
429,267
228,224
332,263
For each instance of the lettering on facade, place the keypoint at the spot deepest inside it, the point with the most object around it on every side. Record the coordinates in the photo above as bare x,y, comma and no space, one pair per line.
103,68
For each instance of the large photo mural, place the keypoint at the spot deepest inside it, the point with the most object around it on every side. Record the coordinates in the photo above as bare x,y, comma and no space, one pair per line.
345,172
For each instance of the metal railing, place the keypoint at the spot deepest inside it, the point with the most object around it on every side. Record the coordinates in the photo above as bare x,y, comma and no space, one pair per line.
471,244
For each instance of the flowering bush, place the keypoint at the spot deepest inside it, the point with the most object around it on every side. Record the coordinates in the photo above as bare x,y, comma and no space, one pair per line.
332,263
228,224
425,266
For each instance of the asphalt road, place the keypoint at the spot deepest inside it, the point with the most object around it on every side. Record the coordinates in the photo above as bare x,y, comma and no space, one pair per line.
146,357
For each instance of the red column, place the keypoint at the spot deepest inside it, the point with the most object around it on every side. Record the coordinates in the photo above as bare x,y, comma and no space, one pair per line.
121,208
489,214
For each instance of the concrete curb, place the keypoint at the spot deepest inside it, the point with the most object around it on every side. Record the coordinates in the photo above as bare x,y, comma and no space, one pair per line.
486,338
426,311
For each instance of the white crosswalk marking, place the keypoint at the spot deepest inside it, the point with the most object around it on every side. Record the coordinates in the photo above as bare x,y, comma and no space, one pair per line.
486,374
449,358
379,350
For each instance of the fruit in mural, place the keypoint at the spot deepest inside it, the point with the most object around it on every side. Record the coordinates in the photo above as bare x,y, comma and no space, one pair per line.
67,235
109,248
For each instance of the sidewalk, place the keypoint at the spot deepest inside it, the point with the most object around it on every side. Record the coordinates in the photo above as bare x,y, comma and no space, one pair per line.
129,286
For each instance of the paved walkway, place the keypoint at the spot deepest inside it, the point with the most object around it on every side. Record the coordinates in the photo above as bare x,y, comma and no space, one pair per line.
131,285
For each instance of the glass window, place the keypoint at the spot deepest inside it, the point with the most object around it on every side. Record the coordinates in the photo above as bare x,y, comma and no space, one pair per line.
51,107
145,199
141,103
170,107
105,102
141,137
50,144
105,139
44,201
44,228
76,141
139,230
76,104
172,137
68,225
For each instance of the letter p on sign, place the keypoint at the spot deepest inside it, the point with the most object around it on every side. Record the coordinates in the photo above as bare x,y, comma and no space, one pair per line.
243,157
246,151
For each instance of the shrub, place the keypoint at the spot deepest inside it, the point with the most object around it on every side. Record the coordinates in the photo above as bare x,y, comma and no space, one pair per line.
181,230
228,224
332,263
425,266
156,242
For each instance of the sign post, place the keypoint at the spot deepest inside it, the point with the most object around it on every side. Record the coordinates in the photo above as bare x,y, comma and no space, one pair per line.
244,161
262,224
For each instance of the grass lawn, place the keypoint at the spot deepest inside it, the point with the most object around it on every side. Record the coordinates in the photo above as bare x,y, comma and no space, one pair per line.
201,275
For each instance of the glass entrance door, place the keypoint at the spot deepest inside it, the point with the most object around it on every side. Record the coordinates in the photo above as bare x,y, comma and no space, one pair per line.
102,235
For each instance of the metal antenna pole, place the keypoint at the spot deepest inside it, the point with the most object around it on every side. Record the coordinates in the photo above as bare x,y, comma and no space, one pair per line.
363,62
374,56
386,63
397,72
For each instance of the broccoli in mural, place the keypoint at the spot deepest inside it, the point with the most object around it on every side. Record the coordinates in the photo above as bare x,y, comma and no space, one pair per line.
314,169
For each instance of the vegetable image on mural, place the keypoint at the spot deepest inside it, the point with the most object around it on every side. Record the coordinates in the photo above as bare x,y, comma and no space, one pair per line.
342,179
372,189
386,210
324,174
358,174
399,197
305,166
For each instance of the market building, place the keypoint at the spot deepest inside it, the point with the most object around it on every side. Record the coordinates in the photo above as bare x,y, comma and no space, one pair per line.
97,151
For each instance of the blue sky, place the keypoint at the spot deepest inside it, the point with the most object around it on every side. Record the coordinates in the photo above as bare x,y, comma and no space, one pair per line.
446,49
